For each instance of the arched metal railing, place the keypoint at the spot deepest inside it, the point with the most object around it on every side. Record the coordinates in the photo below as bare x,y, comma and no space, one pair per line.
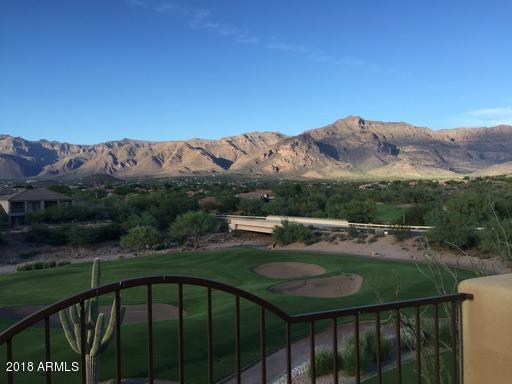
6,337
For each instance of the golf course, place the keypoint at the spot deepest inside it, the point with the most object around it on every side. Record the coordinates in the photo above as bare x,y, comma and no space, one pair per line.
369,281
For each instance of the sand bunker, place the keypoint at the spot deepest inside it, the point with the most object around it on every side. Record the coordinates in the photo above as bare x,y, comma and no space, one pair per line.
288,270
332,286
135,313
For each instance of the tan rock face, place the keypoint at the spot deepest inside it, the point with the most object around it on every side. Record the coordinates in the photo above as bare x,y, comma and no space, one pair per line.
348,147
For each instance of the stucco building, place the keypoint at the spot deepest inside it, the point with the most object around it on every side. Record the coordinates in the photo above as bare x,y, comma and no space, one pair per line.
17,203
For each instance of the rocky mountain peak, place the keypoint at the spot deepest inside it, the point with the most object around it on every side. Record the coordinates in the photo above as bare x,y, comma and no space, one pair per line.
348,147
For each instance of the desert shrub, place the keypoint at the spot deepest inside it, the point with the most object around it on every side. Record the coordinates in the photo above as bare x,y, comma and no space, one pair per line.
342,237
348,357
143,237
289,232
407,339
191,226
40,265
28,254
49,264
45,235
369,345
352,232
312,239
324,362
88,235
401,232
373,239
144,219
24,267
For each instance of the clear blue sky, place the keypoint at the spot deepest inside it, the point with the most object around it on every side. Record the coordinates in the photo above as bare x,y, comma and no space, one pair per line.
86,71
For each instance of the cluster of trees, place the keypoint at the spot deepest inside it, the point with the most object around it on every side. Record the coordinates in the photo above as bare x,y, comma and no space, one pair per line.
143,234
474,221
313,201
75,235
466,213
187,227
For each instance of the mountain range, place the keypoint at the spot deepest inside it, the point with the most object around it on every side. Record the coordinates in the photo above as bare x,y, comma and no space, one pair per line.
349,147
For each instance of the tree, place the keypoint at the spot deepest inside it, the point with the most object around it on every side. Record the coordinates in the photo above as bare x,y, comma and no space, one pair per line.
360,211
496,237
192,225
289,232
98,337
60,188
141,237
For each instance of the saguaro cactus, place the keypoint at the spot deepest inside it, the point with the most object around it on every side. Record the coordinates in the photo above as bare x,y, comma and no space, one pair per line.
97,336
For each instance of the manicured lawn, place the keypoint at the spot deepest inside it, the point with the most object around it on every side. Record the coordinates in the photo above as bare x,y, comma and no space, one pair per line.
228,266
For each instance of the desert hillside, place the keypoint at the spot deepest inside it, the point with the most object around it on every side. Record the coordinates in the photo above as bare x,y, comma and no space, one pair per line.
348,147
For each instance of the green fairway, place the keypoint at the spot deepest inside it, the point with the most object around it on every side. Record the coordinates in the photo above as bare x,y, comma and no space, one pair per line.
229,266
389,213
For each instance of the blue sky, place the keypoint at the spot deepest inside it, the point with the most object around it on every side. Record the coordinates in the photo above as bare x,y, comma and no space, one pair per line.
94,70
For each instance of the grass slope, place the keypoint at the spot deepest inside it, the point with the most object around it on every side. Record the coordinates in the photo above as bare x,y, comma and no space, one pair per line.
228,266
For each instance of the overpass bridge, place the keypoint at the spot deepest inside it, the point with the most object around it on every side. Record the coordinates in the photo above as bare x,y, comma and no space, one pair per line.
266,224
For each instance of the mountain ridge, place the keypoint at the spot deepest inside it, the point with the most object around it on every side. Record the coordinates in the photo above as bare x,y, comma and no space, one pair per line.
347,147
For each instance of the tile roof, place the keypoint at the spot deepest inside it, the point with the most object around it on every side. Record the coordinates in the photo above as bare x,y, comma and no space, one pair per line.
35,194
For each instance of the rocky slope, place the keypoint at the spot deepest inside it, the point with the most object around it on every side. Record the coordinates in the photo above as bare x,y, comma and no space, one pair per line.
348,147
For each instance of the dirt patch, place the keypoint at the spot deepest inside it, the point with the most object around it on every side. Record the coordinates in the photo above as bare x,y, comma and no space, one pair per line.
288,270
332,286
135,313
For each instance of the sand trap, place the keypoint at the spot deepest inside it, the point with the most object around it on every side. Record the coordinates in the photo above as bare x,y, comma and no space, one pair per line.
332,286
288,269
135,313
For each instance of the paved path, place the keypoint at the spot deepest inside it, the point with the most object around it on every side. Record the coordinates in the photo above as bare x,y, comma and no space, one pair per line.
276,361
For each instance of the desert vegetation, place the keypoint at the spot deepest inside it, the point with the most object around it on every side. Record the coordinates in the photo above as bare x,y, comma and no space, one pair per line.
469,215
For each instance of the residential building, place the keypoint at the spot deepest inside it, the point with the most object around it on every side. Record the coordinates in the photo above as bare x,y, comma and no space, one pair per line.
17,203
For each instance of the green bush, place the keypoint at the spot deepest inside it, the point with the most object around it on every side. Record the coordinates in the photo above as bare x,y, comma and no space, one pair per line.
79,235
369,344
289,232
367,352
40,265
349,357
143,237
45,235
324,362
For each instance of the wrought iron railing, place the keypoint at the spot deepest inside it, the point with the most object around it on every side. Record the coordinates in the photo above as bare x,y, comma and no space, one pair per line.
354,313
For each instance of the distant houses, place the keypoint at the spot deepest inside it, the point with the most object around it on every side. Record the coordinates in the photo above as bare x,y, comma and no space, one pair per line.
17,203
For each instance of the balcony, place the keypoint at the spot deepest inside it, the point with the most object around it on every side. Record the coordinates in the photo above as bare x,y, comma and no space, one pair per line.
479,318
